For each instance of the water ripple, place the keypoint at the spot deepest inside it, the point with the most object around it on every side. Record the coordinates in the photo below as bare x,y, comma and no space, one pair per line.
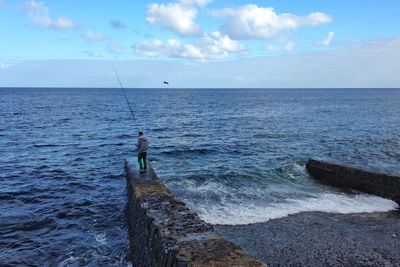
232,155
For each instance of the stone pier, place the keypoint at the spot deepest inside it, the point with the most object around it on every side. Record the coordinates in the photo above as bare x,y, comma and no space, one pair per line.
379,184
164,232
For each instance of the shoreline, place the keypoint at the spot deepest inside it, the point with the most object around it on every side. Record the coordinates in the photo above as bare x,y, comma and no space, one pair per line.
321,239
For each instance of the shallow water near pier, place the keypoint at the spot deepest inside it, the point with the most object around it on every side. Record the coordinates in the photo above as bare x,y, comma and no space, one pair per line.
234,156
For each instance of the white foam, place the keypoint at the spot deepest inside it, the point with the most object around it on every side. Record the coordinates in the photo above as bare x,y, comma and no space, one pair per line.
101,238
300,168
233,203
247,212
69,261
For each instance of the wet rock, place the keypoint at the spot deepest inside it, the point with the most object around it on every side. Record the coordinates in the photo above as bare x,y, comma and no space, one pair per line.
379,184
321,239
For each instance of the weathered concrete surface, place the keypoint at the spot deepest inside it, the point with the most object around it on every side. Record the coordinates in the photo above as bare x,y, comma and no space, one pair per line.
383,185
322,239
164,232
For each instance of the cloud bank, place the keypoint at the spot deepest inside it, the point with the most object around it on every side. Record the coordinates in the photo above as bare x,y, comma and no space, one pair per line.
373,64
254,22
210,46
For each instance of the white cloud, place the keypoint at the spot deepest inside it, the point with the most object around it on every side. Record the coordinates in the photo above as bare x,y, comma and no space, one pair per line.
176,17
316,18
271,48
254,22
171,48
195,2
191,51
4,66
63,23
38,12
93,36
218,44
114,48
289,46
151,48
328,39
210,46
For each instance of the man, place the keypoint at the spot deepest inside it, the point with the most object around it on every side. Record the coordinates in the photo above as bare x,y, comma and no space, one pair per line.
142,146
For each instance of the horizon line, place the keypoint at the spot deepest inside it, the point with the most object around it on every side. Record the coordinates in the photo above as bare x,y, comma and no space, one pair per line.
201,88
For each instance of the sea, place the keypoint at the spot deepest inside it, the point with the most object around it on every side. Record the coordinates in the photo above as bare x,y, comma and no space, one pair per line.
235,156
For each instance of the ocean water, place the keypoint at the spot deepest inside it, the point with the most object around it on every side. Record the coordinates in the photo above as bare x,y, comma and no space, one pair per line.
234,156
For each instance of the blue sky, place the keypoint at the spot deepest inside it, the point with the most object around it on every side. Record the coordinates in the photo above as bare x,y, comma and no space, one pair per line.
200,43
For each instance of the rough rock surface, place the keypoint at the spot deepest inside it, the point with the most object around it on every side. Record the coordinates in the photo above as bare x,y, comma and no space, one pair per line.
322,239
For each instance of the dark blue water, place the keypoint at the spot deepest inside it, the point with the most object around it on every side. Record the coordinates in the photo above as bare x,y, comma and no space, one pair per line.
235,156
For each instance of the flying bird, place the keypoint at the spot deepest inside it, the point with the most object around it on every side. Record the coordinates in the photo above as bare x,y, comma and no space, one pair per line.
166,82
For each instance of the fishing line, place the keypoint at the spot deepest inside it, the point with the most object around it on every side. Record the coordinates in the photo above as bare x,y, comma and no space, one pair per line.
127,102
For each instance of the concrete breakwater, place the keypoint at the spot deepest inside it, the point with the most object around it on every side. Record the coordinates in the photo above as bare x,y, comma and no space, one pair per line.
383,185
164,232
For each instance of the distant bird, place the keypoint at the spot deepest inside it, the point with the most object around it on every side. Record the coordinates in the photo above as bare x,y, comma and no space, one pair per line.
166,82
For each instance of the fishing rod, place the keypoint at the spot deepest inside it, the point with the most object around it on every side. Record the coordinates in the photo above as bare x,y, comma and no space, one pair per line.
127,102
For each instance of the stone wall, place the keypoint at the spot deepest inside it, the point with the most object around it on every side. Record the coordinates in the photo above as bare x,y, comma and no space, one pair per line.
383,185
164,232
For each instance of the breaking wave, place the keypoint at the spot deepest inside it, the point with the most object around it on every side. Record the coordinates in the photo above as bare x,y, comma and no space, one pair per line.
246,213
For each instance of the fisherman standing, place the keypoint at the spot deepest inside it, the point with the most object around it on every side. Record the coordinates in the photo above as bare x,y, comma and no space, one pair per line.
142,145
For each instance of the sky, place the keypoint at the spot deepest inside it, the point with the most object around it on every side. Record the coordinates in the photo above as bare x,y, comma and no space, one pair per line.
200,43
